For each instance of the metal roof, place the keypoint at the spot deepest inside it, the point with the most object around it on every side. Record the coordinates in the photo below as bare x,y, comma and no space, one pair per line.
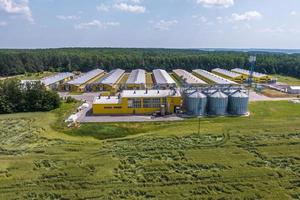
56,78
137,94
112,77
188,77
86,77
162,77
107,100
247,72
213,77
295,87
226,72
137,76
149,93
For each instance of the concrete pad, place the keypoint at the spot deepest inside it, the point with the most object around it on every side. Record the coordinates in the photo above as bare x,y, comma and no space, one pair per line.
132,118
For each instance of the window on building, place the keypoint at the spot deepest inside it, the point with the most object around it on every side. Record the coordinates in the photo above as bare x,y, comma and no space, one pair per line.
107,107
151,103
134,103
164,101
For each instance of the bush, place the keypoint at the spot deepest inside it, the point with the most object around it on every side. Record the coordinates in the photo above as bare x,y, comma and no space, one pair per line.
32,97
70,100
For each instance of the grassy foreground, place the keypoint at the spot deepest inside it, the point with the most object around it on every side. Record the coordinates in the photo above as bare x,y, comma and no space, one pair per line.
256,157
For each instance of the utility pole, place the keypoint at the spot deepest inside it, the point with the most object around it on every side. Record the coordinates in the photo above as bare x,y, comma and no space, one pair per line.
199,118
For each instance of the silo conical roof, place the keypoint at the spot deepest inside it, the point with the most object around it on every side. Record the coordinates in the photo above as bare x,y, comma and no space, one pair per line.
218,94
197,94
239,94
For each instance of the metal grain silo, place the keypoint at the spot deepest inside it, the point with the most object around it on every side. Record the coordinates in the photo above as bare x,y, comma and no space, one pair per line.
238,103
217,103
185,97
196,103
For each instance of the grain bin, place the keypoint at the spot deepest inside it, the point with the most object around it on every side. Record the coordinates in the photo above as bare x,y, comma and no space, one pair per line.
217,103
238,103
196,103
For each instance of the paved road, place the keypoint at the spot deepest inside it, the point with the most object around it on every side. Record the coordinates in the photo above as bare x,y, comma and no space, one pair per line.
131,118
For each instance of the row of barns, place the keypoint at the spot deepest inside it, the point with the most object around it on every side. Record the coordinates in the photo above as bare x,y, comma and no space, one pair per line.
113,81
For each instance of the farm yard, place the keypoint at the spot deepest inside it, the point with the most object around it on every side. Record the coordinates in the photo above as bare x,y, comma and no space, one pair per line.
255,157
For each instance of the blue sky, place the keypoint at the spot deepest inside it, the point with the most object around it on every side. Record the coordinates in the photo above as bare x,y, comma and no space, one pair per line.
150,23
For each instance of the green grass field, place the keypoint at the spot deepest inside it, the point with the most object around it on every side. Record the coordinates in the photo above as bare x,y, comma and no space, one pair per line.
30,76
287,79
256,157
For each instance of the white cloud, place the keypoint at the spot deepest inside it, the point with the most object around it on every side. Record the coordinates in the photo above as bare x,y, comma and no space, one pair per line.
103,7
3,23
130,8
203,19
70,17
164,25
220,19
279,30
112,24
216,3
14,7
272,30
293,13
247,16
136,1
88,25
95,24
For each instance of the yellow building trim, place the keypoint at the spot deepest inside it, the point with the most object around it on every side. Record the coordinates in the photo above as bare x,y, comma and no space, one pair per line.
239,79
81,88
136,105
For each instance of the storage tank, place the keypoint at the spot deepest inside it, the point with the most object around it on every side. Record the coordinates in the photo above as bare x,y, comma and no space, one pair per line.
196,103
238,103
185,97
217,103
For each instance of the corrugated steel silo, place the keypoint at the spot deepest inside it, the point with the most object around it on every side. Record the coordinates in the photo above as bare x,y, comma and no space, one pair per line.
238,103
196,103
217,103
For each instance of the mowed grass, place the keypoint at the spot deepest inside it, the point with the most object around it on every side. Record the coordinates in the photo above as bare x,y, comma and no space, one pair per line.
287,79
255,157
30,76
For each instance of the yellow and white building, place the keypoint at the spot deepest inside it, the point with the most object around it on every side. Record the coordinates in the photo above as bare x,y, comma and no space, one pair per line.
257,77
56,81
136,80
79,84
110,82
130,102
188,78
212,78
233,76
162,79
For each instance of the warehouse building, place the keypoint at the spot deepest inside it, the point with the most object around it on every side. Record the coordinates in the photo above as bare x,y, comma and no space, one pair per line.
257,77
188,78
136,80
56,81
138,102
162,79
233,76
212,78
110,82
79,84
293,89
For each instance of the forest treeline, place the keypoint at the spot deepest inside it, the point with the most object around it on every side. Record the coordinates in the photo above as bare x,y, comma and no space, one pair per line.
13,62
17,97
